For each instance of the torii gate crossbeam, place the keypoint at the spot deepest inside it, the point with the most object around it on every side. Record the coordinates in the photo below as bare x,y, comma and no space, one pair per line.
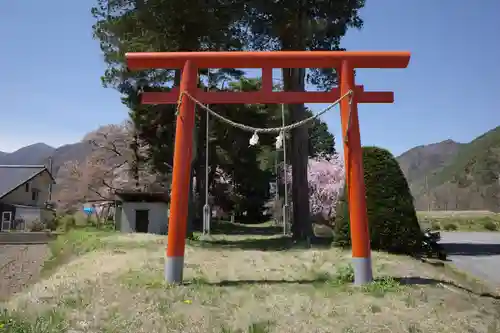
344,62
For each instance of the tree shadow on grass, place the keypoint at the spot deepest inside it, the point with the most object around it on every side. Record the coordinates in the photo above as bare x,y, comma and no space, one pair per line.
404,281
419,281
227,228
279,243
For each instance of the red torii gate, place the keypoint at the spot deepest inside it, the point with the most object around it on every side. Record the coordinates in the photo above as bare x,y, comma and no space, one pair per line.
344,62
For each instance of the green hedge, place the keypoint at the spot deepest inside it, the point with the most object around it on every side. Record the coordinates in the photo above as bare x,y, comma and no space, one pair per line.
392,218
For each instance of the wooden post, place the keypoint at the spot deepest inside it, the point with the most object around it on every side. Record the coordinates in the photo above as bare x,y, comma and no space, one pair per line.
353,156
174,262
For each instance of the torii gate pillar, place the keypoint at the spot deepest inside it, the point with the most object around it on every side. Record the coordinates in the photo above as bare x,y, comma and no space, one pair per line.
354,179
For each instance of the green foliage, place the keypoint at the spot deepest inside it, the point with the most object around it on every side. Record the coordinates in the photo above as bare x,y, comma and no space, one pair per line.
68,222
37,226
50,321
450,227
54,223
480,159
490,226
301,25
469,180
344,274
321,141
229,150
80,241
452,222
435,226
131,26
391,216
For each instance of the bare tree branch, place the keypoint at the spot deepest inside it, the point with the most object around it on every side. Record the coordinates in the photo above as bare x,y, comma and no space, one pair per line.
116,162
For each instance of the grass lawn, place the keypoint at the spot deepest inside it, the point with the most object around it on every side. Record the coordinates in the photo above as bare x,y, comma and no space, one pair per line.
460,221
111,282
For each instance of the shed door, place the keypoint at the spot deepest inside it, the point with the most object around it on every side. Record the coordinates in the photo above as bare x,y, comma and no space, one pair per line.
141,220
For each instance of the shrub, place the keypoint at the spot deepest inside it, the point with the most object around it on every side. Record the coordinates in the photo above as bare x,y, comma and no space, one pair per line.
68,222
37,225
392,219
435,226
490,226
54,223
450,227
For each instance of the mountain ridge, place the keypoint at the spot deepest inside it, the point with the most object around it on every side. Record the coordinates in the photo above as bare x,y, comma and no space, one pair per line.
455,176
441,175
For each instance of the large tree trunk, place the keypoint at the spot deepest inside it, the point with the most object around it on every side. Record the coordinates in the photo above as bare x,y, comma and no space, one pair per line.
294,80
301,222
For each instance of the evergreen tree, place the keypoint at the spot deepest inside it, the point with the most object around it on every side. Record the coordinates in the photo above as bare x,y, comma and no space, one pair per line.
300,25
392,218
192,25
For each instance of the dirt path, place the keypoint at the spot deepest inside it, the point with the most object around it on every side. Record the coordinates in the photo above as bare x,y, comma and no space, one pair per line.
20,265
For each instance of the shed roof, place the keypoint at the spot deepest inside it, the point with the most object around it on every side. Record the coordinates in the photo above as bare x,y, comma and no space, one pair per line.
139,196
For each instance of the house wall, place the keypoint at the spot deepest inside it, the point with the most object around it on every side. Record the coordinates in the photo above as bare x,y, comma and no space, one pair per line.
118,217
20,197
8,208
33,214
158,216
28,215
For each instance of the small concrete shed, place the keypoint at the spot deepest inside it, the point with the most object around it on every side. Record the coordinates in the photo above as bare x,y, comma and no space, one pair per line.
145,212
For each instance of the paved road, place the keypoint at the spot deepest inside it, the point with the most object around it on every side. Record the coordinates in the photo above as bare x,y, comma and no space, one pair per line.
475,252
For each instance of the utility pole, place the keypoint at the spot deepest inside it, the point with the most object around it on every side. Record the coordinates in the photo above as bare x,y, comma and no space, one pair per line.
50,185
207,210
428,194
285,180
276,180
498,194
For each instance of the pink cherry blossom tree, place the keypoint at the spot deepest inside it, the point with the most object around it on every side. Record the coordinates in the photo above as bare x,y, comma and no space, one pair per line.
326,182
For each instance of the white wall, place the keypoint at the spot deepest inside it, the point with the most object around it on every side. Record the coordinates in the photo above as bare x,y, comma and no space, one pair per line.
158,216
29,215
20,197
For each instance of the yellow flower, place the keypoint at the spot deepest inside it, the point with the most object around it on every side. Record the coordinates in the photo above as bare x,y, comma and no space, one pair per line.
187,301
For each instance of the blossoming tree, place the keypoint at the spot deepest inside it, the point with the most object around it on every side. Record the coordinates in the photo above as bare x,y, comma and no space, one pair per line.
326,181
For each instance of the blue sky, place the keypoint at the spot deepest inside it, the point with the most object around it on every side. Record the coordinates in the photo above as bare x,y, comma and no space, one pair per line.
51,92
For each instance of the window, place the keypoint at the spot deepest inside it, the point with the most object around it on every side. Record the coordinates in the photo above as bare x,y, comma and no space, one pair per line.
34,195
27,187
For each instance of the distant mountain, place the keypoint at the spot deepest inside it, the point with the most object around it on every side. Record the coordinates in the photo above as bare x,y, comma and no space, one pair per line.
420,161
71,152
455,176
444,175
40,153
32,154
94,169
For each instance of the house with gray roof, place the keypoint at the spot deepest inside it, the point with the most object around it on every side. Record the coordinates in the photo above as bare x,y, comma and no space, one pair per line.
24,193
